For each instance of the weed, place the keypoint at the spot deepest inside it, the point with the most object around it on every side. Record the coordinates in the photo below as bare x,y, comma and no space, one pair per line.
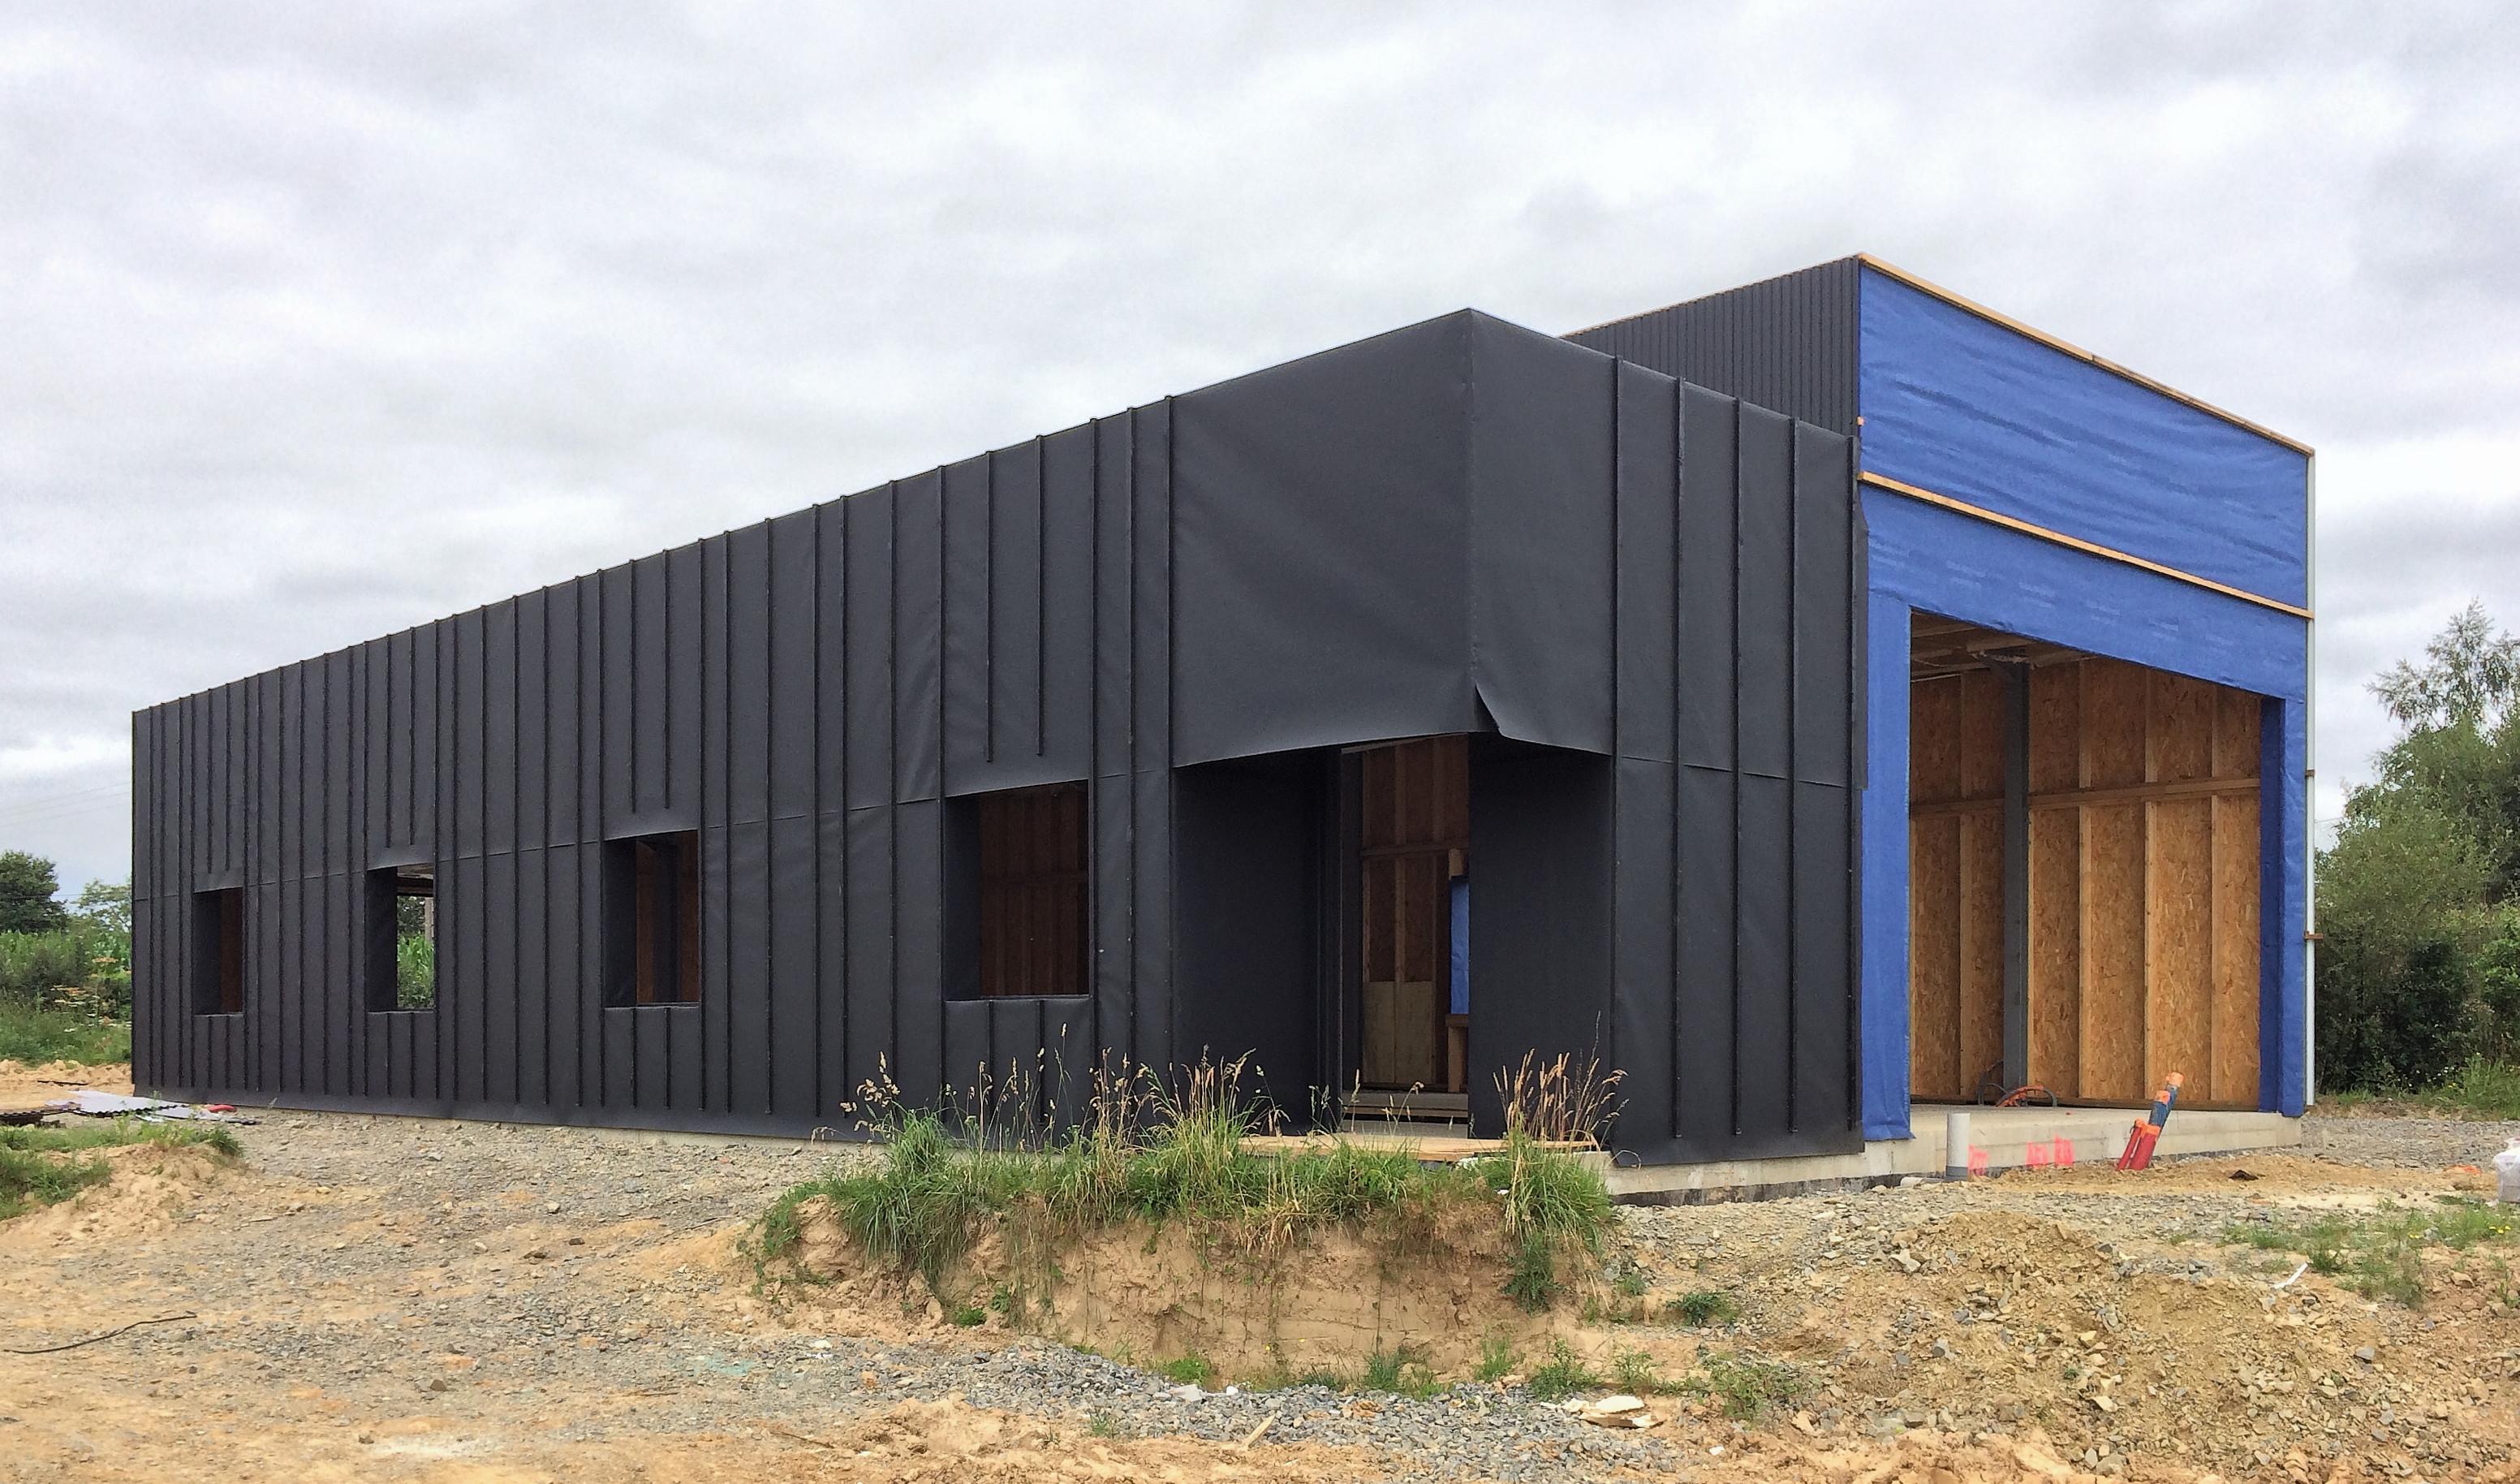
970,1316
1629,1280
2482,1089
1160,1151
37,1167
1322,1375
1002,1300
1497,1359
1190,1369
1562,1376
1102,1424
2379,1254
1406,1369
1746,1387
34,1033
1703,1308
1532,1279
1634,1371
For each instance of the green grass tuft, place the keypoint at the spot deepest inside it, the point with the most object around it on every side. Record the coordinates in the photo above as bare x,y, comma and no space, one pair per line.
2379,1254
39,1167
1636,1372
32,1034
1190,1369
1497,1359
1703,1308
1747,1388
1563,1375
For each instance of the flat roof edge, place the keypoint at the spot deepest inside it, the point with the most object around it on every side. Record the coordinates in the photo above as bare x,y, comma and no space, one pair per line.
2060,343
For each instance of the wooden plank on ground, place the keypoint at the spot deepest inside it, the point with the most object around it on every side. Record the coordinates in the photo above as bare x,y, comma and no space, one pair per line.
2178,938
2234,1079
2057,948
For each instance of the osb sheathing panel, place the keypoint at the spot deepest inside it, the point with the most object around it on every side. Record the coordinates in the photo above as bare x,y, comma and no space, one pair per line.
2143,904
2055,944
1934,953
1955,911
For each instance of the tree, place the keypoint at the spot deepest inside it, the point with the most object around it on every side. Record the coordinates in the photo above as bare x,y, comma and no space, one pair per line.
2470,674
2399,899
29,894
105,907
2419,897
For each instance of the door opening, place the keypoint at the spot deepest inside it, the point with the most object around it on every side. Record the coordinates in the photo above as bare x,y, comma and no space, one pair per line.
1413,885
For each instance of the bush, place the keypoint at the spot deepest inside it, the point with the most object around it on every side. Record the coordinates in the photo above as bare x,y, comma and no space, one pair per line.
2399,907
32,1034
1563,1375
37,964
1157,1150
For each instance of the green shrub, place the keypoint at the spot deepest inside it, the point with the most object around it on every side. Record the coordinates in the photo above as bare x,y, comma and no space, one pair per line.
32,1034
415,972
38,963
2482,1089
1746,1387
1634,1371
1190,1369
1563,1375
1497,1359
1703,1308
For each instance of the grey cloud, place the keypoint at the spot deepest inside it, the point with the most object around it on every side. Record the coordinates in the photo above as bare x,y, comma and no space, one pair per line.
325,320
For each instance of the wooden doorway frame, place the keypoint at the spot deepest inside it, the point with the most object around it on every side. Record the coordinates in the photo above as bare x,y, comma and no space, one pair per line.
1434,848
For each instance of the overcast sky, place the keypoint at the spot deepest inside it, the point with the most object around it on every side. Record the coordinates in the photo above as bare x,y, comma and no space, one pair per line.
319,321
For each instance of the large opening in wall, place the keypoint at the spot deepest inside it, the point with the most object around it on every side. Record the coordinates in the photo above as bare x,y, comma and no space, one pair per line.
651,920
2084,869
402,938
1411,944
218,951
1016,892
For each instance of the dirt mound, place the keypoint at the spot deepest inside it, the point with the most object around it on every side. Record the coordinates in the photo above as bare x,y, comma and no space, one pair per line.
2012,1320
1155,1293
151,1187
25,1085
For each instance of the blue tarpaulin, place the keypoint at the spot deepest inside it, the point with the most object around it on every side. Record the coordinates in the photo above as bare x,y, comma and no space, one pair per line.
1970,409
1963,406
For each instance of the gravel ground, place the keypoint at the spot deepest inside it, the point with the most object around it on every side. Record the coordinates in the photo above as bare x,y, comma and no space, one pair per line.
419,1263
2407,1142
512,1279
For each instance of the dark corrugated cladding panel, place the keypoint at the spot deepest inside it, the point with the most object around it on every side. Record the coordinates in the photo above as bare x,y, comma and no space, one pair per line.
1788,342
1640,592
